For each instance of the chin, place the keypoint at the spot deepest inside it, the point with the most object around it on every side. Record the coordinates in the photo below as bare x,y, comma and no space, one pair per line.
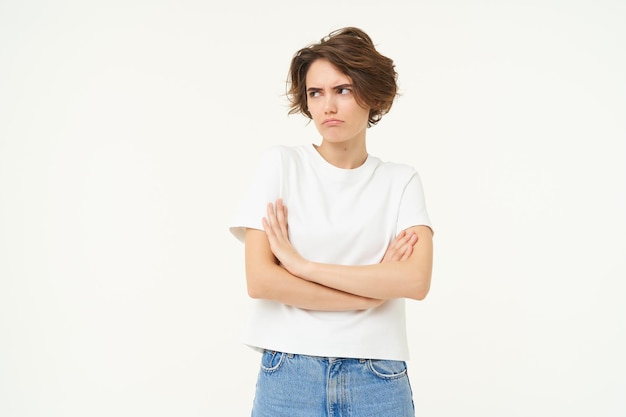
332,139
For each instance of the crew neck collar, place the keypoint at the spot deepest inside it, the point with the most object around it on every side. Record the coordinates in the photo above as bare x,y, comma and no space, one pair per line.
339,173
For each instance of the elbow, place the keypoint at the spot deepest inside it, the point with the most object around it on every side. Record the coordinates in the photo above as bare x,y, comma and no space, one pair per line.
420,287
255,290
420,295
261,281
256,285
252,284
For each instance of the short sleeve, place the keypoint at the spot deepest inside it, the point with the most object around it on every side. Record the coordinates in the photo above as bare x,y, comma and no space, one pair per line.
412,210
264,188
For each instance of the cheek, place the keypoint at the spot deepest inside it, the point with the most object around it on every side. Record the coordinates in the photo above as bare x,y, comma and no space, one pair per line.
363,114
314,110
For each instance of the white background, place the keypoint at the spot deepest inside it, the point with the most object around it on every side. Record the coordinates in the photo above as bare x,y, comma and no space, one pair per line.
129,130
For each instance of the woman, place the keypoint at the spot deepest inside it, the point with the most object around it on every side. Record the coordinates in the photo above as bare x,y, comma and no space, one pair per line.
329,277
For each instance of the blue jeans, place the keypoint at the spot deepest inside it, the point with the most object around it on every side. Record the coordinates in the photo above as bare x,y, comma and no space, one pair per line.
309,386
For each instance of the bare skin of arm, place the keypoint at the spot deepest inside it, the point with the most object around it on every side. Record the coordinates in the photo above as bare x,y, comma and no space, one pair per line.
267,279
406,277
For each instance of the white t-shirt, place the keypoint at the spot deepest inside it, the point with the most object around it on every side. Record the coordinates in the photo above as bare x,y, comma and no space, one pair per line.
338,216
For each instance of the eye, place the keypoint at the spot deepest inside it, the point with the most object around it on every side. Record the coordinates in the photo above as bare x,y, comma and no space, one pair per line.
314,94
344,90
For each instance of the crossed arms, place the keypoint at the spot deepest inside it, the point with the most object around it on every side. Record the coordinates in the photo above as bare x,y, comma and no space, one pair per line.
276,271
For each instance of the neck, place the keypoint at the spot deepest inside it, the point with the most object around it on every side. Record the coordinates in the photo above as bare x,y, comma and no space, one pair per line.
346,155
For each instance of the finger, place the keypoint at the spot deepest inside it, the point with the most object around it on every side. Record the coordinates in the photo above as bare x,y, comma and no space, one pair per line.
400,253
397,242
400,241
270,211
408,250
286,221
403,237
393,251
271,215
402,247
281,216
399,238
268,229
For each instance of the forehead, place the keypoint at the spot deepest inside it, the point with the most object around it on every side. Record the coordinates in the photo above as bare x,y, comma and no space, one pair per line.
323,73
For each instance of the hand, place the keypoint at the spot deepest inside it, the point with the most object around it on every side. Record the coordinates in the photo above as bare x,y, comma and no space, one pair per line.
401,248
276,229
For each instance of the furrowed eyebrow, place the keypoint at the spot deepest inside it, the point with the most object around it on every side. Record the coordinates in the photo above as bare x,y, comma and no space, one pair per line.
337,87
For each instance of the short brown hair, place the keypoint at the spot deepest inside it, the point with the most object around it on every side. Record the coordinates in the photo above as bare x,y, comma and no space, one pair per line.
351,51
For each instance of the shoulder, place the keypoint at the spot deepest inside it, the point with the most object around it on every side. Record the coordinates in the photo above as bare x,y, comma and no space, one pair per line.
282,152
278,159
396,170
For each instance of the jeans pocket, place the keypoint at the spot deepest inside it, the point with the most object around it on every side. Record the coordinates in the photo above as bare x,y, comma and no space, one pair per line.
272,360
387,369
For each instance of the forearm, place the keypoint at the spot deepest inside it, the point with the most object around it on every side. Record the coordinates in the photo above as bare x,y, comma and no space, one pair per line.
406,278
398,279
273,282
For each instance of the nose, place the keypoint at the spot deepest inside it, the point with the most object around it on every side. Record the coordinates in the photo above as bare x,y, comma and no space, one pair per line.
330,107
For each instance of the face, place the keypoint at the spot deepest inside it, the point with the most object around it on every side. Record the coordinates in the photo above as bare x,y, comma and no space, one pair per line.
332,105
